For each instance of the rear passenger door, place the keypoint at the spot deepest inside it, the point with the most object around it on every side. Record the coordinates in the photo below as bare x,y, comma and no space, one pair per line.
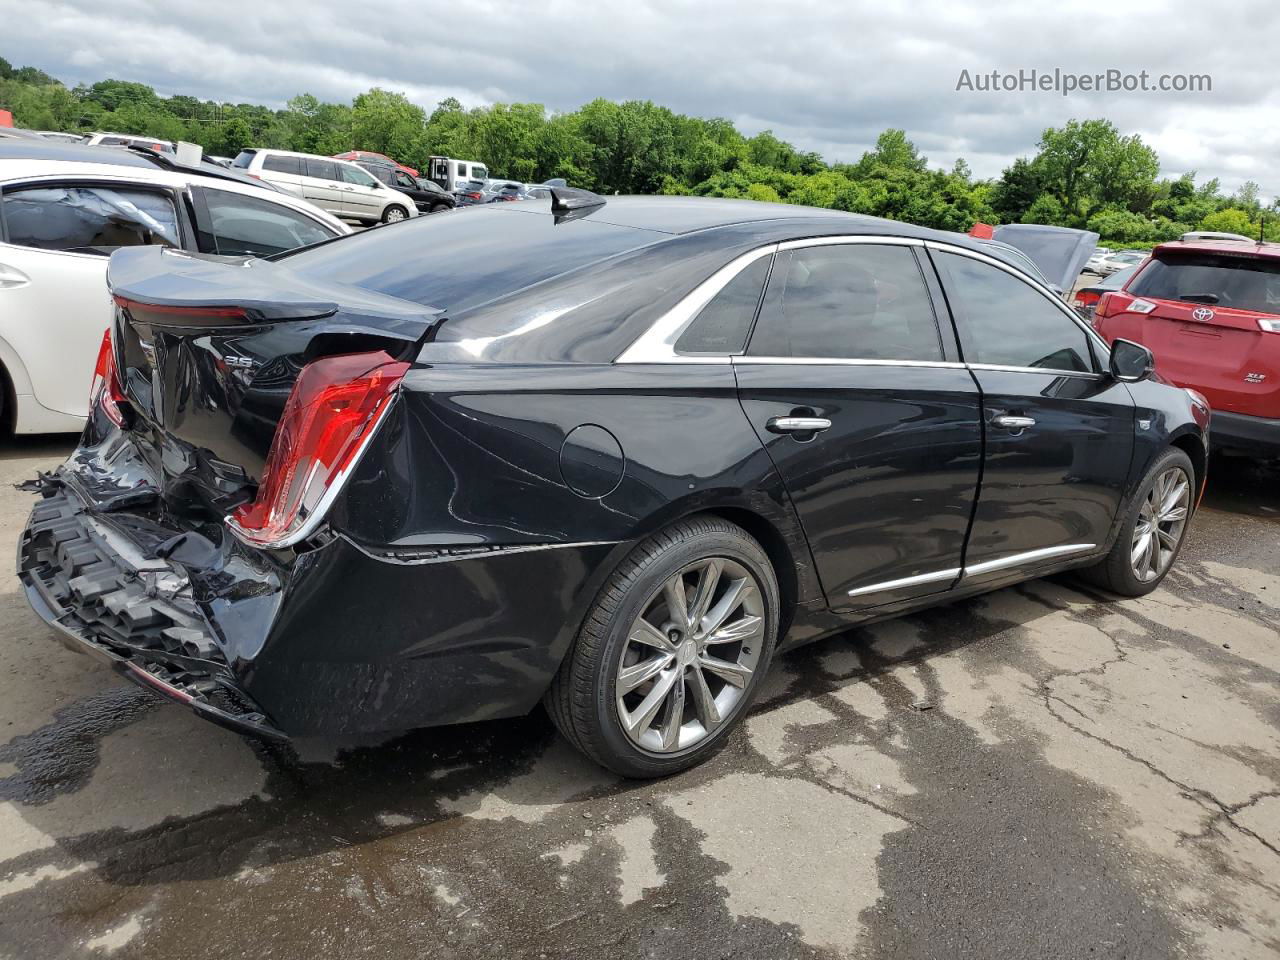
55,238
284,172
858,395
237,225
1059,431
322,185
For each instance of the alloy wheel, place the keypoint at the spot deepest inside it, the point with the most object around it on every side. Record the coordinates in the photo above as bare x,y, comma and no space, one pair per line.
690,656
1161,522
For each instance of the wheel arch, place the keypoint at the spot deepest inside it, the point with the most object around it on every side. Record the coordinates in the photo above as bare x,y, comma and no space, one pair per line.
1193,446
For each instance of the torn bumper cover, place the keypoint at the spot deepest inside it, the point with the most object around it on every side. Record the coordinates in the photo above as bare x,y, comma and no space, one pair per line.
106,598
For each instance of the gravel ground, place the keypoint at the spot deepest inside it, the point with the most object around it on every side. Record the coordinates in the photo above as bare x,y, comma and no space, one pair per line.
1094,778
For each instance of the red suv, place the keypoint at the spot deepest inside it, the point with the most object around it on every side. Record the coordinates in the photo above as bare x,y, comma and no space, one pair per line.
355,156
1210,312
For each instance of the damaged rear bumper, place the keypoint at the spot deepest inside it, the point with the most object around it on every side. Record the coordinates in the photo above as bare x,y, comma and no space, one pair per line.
107,599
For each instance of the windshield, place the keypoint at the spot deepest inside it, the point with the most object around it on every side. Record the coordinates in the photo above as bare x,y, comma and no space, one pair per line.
243,159
1240,283
478,172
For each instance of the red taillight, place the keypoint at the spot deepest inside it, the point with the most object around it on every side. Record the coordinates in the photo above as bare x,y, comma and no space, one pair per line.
1087,298
161,314
1110,303
105,392
334,409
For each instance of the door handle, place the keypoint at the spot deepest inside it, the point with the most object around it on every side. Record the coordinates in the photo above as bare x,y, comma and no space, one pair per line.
797,424
348,188
1016,424
12,277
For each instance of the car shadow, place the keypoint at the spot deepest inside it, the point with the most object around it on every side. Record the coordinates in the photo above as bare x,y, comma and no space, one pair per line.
322,795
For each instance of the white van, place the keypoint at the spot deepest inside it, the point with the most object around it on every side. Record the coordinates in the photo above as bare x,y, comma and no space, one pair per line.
343,189
453,174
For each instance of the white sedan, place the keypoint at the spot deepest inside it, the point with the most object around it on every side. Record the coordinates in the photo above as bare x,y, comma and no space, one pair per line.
63,209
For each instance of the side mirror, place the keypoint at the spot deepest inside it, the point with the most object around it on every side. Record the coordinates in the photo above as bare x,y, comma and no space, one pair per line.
1131,362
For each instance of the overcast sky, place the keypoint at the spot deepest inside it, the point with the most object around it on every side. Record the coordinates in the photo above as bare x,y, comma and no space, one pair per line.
828,76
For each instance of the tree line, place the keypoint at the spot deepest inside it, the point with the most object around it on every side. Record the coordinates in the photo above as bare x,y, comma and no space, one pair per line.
1084,174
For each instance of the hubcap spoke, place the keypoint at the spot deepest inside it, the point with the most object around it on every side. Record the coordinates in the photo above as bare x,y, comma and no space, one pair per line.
1140,546
747,628
677,600
642,718
675,714
646,633
708,580
631,677
703,702
733,673
738,593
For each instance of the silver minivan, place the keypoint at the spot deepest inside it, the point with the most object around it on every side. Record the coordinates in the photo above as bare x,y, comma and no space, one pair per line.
341,188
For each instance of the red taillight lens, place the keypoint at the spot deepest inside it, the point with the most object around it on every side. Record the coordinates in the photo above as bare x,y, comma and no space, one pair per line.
105,392
333,411
1110,303
1087,298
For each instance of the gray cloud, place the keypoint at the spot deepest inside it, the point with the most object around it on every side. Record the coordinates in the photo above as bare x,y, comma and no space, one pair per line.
827,76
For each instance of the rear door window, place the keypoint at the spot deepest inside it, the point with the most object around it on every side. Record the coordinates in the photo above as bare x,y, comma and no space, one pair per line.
89,218
856,301
239,225
321,169
1003,321
279,164
1239,283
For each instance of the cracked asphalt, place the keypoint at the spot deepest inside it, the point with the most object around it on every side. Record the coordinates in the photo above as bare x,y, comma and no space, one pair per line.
1042,772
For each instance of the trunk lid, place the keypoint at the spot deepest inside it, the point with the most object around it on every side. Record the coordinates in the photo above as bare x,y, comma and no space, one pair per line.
208,350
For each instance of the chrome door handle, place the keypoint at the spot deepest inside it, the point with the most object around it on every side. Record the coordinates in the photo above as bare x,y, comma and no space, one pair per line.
797,424
1017,424
12,277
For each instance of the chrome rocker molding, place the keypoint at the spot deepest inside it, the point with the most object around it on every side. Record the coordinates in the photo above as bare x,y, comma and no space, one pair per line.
977,569
935,577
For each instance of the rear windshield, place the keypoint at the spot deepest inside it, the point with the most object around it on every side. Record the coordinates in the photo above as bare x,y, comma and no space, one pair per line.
458,262
1240,283
243,158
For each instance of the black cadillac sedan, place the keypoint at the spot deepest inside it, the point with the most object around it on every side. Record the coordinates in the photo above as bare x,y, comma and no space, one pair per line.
607,456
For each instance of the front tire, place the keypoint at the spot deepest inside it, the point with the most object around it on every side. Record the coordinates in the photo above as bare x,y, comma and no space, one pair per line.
672,652
394,214
1153,531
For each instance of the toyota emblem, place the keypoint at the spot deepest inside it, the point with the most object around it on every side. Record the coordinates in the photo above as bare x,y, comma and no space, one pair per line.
1203,314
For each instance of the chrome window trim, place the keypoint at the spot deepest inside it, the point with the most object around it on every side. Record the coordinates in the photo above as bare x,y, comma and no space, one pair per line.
848,362
1089,333
1030,556
1052,371
935,577
657,344
844,239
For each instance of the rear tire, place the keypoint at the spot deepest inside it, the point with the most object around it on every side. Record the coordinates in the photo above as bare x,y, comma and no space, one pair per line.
715,572
1153,531
439,208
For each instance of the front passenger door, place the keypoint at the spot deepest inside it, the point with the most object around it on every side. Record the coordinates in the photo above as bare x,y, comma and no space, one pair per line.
884,483
1059,431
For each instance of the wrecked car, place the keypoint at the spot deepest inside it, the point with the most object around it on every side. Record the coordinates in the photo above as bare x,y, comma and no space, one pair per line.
606,456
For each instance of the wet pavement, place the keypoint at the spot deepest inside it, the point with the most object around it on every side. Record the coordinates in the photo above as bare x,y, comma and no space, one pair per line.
1041,772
